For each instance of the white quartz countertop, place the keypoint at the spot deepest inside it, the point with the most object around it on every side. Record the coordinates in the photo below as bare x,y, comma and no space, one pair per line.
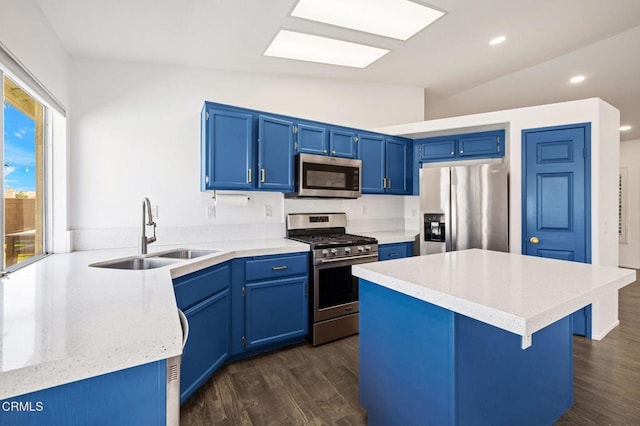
520,294
64,321
390,237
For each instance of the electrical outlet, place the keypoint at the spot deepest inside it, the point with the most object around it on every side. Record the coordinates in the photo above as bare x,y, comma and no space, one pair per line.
267,211
211,212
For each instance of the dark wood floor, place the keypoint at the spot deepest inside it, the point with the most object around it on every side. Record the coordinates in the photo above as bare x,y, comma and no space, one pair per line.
319,386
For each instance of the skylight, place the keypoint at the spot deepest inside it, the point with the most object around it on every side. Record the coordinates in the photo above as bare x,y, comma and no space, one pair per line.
399,19
306,47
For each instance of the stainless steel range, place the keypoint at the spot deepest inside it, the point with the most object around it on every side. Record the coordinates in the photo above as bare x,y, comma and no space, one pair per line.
334,296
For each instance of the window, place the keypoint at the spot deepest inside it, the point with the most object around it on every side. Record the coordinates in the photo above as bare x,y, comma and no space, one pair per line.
23,180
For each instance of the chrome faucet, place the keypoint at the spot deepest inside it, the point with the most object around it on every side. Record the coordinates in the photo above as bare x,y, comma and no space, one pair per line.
144,241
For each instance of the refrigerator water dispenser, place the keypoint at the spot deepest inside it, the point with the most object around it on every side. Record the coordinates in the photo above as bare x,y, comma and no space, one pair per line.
434,227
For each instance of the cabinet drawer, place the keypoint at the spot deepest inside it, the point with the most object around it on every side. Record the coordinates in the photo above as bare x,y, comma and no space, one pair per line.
274,267
395,251
193,288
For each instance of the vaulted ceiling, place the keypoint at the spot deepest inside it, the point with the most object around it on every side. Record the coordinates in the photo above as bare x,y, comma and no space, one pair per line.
548,42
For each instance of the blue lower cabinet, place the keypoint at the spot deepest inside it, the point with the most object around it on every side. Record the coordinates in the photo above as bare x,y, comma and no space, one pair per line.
395,251
134,396
275,310
209,342
205,298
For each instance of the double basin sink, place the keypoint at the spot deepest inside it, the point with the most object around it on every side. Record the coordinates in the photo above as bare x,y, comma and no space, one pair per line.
155,260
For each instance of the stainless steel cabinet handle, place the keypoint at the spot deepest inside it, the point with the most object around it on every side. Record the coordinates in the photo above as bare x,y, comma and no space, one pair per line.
534,240
263,175
249,175
324,151
206,180
453,153
388,182
461,152
279,268
384,183
333,152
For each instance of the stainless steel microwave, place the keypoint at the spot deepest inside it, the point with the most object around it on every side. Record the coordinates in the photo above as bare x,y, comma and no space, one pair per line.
329,177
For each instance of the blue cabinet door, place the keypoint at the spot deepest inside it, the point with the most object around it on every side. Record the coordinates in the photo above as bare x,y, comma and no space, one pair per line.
227,149
438,149
479,146
395,251
397,166
371,151
312,139
342,143
275,153
275,310
556,199
209,344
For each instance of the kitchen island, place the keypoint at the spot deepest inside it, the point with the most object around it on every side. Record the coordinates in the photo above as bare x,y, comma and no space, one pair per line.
472,337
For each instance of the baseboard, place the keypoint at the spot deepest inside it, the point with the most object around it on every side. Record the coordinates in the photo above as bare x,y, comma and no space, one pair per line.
601,336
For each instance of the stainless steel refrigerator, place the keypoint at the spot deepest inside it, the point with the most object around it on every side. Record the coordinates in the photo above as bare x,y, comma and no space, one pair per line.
463,207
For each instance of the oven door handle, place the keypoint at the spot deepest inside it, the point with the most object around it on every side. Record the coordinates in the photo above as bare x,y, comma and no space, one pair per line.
349,259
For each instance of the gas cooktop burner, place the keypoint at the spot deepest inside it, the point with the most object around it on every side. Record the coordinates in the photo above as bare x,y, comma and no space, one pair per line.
319,241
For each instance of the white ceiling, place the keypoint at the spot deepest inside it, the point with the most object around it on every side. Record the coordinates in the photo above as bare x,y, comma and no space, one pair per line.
548,42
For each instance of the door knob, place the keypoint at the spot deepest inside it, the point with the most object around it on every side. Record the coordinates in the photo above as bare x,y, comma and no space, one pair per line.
534,240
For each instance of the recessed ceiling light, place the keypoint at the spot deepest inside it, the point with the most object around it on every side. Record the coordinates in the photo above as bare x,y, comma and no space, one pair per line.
625,128
497,40
398,19
577,79
306,47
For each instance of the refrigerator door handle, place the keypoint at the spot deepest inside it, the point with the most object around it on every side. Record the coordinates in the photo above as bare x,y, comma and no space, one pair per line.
453,225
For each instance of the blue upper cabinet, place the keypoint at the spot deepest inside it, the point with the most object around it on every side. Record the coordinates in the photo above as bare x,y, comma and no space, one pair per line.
386,164
436,149
487,145
227,156
398,166
312,139
461,147
371,151
342,142
275,153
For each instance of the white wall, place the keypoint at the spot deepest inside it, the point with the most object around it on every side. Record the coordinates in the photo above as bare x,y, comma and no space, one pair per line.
27,34
630,159
135,132
605,141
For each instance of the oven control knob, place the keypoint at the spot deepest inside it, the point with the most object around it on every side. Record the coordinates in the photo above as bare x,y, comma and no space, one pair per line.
367,248
325,252
334,252
360,249
347,250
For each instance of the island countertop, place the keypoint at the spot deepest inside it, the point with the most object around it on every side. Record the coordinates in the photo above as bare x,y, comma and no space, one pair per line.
520,294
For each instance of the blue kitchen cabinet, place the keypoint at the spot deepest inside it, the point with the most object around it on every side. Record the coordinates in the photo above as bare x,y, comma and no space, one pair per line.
461,147
275,310
270,302
133,396
481,145
227,148
430,149
342,142
386,164
395,251
275,153
205,298
371,151
398,165
312,138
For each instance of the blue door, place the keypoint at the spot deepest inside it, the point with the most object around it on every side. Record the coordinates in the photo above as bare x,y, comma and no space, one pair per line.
312,139
556,202
397,166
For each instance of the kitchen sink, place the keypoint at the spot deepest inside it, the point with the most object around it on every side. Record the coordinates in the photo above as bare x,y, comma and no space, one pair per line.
134,263
183,253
